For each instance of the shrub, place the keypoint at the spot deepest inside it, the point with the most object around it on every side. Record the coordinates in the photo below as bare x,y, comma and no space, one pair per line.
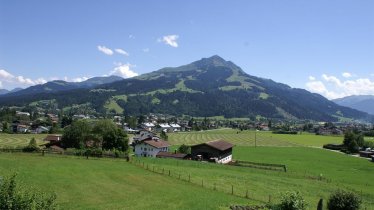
343,200
13,196
32,147
292,201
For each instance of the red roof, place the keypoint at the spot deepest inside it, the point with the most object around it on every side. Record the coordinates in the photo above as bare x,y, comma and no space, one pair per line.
157,143
218,144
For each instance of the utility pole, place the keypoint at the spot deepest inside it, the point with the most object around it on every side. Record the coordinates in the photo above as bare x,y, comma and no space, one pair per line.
255,139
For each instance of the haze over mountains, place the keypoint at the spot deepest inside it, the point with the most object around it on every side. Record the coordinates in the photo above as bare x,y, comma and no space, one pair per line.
208,87
363,103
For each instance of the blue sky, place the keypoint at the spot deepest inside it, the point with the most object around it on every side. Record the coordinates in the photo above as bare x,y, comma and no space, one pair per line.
323,46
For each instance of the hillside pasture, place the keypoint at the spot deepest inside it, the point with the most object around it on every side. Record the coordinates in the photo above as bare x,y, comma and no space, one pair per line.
19,140
247,138
110,184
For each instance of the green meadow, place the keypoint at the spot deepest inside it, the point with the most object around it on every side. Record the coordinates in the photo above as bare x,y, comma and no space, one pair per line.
249,138
19,140
116,184
314,172
109,184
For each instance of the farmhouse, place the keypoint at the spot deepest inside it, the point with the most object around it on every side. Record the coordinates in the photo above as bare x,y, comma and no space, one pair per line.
148,126
218,151
151,147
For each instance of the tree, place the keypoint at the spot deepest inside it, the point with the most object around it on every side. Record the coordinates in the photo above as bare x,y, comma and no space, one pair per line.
5,127
76,134
164,136
353,141
65,121
343,200
184,149
32,147
112,137
13,196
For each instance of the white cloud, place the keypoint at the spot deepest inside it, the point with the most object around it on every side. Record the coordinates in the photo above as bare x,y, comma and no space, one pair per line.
79,79
146,50
170,40
10,80
122,52
332,87
1,84
105,50
311,78
347,75
5,75
124,70
131,36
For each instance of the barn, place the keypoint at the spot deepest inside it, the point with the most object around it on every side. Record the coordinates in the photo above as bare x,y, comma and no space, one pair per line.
218,151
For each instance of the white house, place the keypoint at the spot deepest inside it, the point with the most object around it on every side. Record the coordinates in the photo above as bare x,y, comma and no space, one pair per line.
175,127
151,147
165,127
148,126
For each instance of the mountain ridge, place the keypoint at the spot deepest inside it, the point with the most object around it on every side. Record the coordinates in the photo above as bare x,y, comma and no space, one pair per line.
363,103
61,85
207,87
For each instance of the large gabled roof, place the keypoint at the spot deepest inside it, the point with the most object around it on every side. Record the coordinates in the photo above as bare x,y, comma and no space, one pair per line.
218,144
156,143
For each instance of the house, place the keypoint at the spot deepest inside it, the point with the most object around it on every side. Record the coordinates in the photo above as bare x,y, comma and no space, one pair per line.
165,127
218,151
175,127
148,126
53,142
172,155
53,118
41,129
53,138
150,147
143,135
25,114
22,128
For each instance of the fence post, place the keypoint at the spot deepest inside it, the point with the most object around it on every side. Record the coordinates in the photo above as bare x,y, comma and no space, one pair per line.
269,198
163,170
202,182
246,194
189,177
285,168
320,204
232,189
179,176
169,172
43,152
214,186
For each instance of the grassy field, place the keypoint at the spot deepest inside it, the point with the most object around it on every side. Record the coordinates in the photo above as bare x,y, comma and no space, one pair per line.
314,172
247,138
110,184
16,140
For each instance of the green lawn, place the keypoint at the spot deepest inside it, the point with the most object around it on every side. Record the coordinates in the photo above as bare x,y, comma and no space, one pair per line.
247,138
16,140
314,172
110,184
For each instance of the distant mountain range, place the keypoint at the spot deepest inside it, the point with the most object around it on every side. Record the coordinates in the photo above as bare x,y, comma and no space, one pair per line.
60,85
208,87
363,103
5,91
